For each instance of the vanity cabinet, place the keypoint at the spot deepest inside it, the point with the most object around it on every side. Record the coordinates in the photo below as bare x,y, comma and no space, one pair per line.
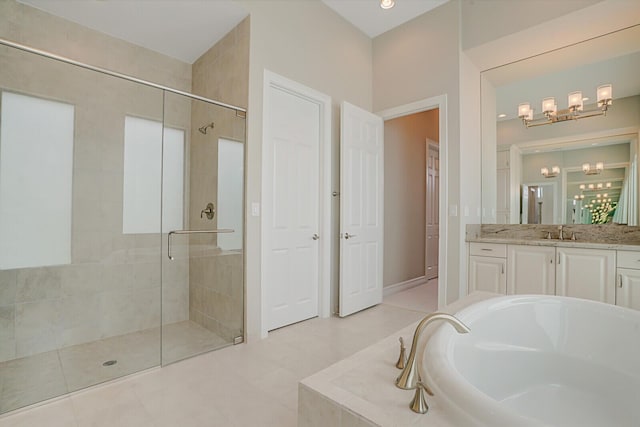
586,273
487,267
547,270
628,280
531,270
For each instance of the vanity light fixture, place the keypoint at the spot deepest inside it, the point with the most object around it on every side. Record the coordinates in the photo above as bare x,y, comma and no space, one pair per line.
590,169
608,185
591,186
583,187
574,111
387,4
555,170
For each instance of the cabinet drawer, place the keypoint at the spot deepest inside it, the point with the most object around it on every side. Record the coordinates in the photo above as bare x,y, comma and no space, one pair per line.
488,249
628,259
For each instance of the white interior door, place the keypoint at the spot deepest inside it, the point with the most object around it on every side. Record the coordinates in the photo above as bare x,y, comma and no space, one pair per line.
361,209
432,209
292,135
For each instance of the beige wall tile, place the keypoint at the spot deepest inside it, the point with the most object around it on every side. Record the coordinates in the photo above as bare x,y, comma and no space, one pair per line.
37,327
7,287
34,284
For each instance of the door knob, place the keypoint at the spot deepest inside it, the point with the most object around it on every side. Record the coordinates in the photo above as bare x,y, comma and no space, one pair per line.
315,236
349,236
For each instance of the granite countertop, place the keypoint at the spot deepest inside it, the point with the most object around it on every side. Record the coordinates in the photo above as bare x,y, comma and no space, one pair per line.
364,383
555,243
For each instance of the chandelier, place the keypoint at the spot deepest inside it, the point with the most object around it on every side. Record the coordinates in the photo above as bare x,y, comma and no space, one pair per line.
575,110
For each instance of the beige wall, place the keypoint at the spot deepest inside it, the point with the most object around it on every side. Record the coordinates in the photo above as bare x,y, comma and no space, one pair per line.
404,201
416,61
307,42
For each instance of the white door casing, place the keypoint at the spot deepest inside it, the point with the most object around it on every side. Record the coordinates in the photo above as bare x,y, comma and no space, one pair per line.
361,209
296,203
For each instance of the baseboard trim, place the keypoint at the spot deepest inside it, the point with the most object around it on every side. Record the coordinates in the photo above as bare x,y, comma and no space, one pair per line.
403,286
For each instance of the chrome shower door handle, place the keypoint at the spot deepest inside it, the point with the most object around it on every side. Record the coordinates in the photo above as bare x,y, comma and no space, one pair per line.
315,236
349,236
171,233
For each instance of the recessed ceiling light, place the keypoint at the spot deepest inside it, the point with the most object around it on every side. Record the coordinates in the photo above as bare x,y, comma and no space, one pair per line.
501,116
586,98
387,4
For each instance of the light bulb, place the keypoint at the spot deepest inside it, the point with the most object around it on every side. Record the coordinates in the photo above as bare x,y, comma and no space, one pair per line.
387,4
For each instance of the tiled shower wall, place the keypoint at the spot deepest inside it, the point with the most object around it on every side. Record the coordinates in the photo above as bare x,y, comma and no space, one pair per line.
113,284
216,287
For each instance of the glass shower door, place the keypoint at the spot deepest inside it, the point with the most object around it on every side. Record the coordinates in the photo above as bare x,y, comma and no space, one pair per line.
79,227
203,224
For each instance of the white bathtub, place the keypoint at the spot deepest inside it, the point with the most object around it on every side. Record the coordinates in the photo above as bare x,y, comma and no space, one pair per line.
538,360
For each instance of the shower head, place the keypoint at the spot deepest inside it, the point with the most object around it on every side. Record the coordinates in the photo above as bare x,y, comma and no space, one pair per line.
203,129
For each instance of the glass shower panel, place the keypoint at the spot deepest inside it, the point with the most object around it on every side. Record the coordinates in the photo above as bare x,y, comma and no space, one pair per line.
81,158
203,221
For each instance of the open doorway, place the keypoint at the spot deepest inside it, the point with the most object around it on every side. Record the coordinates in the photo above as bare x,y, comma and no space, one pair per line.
411,206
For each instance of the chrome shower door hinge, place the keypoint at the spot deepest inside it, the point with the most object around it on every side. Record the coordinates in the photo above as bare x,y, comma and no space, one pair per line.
238,340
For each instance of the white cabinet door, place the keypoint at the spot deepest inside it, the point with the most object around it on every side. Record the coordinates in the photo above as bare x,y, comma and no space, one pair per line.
487,274
531,270
586,273
628,289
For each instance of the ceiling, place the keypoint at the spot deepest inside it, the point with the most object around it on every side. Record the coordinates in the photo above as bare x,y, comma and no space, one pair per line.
371,19
185,29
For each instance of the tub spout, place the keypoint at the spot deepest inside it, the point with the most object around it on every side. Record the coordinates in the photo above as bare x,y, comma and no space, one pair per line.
409,376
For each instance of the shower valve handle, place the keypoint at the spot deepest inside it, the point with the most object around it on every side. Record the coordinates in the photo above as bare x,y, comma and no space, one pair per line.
210,211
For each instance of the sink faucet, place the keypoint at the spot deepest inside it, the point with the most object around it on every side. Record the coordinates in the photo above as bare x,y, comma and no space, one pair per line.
560,233
409,377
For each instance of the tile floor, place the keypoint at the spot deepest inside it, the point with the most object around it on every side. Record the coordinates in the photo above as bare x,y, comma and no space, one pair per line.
43,376
254,384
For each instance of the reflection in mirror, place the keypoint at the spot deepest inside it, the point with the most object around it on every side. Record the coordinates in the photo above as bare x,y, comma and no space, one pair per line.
543,174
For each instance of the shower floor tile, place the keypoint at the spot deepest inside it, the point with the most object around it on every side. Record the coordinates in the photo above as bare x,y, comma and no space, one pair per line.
42,376
185,339
44,380
83,364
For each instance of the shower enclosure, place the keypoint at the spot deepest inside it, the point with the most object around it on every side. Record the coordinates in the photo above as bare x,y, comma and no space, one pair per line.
121,226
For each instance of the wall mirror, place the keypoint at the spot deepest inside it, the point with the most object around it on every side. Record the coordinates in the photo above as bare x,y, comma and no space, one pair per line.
576,164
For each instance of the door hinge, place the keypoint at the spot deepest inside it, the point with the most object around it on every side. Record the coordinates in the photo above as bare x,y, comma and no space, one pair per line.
619,280
238,340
